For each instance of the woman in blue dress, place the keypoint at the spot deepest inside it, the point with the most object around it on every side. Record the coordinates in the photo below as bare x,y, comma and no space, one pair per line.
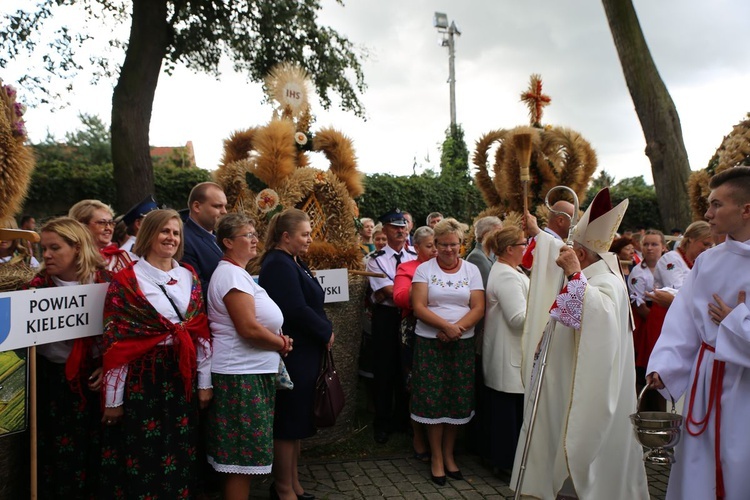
291,285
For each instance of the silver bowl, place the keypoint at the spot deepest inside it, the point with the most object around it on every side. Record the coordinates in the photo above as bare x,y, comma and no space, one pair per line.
659,431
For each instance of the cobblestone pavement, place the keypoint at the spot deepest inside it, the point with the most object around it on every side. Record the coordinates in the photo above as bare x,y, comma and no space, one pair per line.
400,477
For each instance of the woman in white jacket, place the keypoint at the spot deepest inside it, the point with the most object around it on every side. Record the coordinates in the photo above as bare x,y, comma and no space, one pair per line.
507,291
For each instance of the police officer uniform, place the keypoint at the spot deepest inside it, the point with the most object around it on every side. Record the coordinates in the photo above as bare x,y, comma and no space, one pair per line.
137,212
391,402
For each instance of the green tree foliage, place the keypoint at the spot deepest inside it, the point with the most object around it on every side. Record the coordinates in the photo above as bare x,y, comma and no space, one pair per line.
254,35
451,193
643,208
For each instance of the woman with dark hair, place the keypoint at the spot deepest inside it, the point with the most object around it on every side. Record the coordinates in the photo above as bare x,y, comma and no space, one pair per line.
247,341
448,301
157,368
69,373
99,220
291,285
505,300
624,249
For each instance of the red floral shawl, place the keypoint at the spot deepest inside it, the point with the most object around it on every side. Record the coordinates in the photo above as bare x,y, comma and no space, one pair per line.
132,326
81,353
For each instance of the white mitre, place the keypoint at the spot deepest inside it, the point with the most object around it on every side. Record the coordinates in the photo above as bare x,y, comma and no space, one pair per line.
597,227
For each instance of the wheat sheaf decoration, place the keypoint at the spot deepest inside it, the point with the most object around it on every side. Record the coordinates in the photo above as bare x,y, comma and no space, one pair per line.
266,169
559,156
734,151
16,158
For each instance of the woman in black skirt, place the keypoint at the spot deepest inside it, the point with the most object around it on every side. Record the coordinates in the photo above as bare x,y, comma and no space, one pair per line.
69,372
290,283
157,369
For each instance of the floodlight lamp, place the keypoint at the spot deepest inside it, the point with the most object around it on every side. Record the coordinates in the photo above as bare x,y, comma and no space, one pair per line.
440,20
455,29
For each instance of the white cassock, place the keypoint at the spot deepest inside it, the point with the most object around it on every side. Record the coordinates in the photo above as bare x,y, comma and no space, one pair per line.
723,270
582,428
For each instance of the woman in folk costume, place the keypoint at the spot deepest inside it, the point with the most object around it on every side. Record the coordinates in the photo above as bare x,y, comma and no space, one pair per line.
448,301
247,345
674,266
157,368
582,442
69,373
99,220
641,283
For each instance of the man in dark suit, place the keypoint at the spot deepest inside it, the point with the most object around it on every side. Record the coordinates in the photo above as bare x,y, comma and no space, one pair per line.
206,204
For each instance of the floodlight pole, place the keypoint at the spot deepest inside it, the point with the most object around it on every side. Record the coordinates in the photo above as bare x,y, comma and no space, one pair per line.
452,70
449,31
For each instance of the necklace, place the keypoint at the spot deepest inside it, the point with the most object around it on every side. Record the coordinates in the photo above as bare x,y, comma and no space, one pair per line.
458,262
230,261
685,258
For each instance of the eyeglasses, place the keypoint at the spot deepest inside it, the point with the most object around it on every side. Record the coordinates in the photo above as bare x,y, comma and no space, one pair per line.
105,223
524,244
448,245
249,236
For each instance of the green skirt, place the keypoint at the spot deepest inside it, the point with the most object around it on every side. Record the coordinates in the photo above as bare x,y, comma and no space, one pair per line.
240,423
442,381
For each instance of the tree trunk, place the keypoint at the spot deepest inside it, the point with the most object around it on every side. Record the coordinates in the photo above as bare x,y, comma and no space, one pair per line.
132,102
656,112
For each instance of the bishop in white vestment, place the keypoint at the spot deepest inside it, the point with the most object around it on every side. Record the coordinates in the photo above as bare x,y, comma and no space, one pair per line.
582,434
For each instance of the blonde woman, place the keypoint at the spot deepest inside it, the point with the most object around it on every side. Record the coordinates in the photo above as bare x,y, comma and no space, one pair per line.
448,301
157,368
98,218
505,301
69,373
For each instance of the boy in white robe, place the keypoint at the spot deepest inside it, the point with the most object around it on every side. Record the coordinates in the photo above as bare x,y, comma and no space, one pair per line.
704,352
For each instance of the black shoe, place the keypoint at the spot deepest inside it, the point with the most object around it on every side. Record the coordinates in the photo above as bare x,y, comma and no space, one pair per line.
306,496
439,480
454,474
273,494
381,437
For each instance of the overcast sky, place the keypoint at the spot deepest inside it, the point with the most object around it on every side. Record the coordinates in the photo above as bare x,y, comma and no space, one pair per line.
699,46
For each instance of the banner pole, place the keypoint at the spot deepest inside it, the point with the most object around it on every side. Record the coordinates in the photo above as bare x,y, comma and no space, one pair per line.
32,420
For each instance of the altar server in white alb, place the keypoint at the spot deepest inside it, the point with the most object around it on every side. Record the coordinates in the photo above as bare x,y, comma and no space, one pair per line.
582,444
704,352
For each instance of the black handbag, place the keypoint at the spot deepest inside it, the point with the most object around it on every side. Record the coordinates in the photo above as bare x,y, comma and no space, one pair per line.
329,395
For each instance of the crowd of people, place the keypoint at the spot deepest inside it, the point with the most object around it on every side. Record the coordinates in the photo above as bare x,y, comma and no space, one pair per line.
186,377
605,314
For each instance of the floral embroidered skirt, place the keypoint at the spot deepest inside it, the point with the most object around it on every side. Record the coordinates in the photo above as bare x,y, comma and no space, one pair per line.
442,381
151,453
68,434
240,423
